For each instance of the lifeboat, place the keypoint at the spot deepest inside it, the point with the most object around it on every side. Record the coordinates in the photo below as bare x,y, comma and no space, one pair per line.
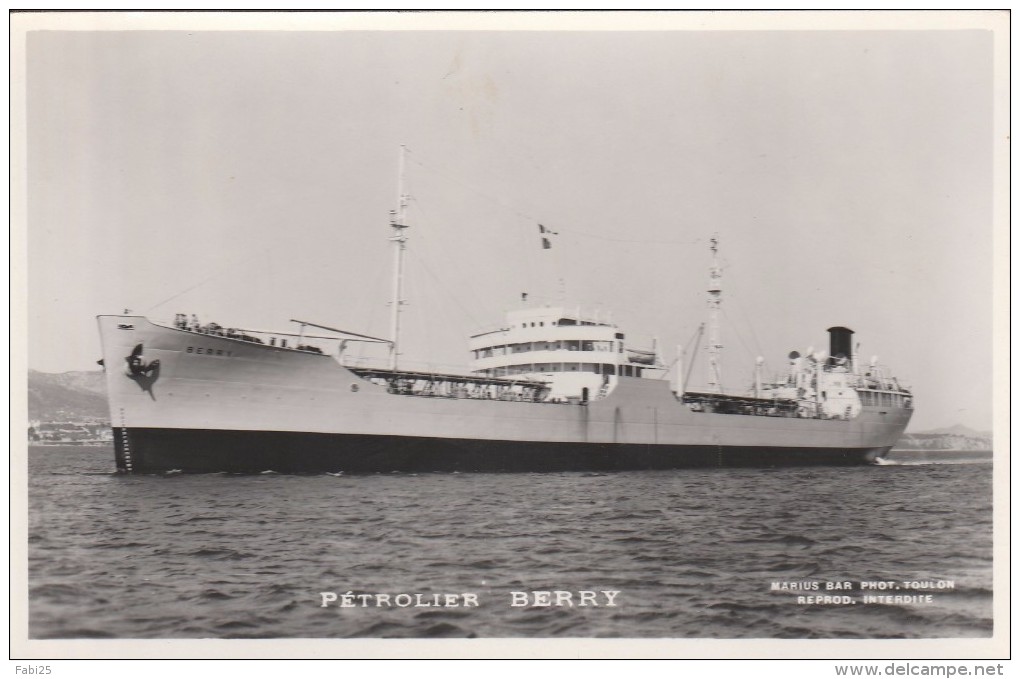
642,356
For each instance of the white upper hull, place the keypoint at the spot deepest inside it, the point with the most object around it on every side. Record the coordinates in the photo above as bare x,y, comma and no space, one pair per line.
215,383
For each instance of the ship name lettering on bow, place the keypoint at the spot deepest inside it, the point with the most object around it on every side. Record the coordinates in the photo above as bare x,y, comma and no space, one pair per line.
209,352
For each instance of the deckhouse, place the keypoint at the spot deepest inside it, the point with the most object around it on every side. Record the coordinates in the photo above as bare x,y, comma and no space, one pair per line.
578,354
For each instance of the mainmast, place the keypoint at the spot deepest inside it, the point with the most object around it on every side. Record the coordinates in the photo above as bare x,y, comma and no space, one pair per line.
714,306
399,238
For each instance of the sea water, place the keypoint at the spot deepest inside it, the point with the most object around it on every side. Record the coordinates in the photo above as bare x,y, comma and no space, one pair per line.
708,553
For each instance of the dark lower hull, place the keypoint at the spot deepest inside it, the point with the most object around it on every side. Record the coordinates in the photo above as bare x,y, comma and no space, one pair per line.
144,450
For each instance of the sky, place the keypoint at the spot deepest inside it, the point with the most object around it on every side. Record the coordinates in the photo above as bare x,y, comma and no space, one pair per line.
247,177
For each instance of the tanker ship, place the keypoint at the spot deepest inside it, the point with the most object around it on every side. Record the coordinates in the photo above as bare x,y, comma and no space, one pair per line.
553,388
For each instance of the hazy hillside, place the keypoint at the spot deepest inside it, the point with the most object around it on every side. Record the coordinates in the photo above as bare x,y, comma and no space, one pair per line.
67,397
958,430
957,437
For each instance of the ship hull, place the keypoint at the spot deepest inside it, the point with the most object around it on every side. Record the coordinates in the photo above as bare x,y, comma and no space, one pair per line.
149,450
193,402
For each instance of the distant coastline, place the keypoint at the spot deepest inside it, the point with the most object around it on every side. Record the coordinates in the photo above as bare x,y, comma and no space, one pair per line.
952,438
76,444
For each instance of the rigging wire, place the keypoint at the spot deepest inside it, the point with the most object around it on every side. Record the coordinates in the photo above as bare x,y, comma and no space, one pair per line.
736,331
536,220
431,273
422,238
423,321
413,312
522,234
750,327
739,336
695,341
222,272
743,312
373,308
685,346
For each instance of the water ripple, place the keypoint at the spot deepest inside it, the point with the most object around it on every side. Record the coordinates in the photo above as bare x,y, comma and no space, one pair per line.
693,553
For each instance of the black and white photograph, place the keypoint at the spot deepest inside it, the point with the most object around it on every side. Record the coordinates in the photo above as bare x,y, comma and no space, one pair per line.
404,334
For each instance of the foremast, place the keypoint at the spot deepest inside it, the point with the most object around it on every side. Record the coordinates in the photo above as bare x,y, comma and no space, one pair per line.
398,222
